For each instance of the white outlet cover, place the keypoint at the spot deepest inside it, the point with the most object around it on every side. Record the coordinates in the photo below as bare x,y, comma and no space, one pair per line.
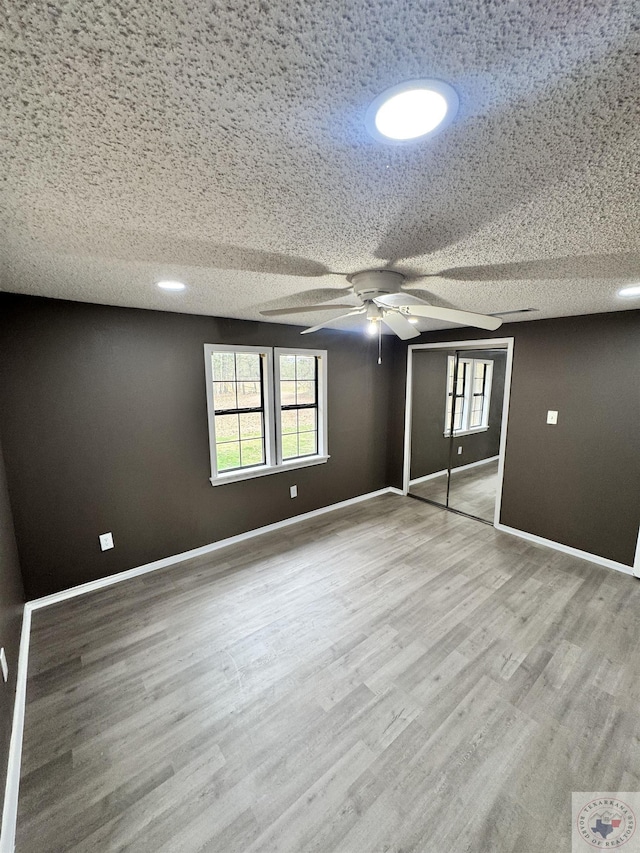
106,541
552,417
459,451
293,491
4,664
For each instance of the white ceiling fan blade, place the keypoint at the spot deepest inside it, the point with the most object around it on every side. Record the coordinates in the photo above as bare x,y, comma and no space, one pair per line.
395,300
452,315
330,322
302,309
400,325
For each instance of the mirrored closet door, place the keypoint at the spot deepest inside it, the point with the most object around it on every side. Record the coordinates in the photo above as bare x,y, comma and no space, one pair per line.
456,425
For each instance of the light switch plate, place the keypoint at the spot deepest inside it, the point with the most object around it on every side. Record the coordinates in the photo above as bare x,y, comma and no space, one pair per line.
4,665
552,417
293,491
106,541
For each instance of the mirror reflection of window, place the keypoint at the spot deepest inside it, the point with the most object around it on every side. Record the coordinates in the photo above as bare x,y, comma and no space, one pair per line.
468,395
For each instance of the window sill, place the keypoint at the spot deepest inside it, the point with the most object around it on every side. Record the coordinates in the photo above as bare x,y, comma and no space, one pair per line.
264,470
458,433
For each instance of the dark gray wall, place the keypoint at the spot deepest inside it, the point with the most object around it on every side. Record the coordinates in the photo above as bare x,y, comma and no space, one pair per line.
11,601
397,359
577,483
105,428
104,425
429,446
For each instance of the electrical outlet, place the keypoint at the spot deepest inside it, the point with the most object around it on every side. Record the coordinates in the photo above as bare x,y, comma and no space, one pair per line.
106,541
293,491
4,665
459,451
552,417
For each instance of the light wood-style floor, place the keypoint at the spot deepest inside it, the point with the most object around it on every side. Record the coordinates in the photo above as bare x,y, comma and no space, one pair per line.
472,490
389,678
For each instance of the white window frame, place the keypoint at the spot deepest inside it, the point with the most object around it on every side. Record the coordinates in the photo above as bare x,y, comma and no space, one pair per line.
321,356
271,397
465,429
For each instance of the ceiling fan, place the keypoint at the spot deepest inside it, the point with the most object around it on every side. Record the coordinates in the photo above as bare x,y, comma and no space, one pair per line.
383,301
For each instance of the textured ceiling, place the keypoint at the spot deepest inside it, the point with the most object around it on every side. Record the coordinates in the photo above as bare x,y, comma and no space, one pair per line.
222,143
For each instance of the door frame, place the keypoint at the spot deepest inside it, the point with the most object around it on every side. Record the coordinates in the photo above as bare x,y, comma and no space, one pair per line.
484,343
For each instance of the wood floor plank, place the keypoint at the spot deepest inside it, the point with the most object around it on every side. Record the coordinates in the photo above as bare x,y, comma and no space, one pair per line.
388,677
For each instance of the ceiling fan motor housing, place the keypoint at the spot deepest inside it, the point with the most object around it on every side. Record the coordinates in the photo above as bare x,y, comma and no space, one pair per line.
373,283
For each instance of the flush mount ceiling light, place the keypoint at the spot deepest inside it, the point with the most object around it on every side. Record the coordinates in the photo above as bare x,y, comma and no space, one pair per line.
171,285
628,292
412,110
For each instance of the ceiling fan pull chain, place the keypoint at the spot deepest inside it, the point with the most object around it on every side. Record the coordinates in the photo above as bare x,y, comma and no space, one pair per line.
379,343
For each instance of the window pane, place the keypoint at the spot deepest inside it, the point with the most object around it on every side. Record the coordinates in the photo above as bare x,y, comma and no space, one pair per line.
249,396
224,366
227,428
247,366
308,443
461,379
478,381
306,392
289,421
450,370
287,367
228,456
252,452
224,396
288,393
305,367
476,419
289,446
457,422
251,425
307,419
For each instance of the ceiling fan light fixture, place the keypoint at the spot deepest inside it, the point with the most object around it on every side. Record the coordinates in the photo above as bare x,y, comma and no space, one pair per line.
413,320
630,292
171,285
412,110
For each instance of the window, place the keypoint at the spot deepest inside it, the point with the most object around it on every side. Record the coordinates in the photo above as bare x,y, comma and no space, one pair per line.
468,395
297,401
266,409
238,396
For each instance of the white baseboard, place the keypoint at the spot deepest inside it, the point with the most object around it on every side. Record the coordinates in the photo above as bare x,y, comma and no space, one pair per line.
566,549
10,808
165,562
475,464
427,477
453,470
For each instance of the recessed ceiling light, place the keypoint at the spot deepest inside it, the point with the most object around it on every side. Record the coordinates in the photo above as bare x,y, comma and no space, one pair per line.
634,290
412,110
171,285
